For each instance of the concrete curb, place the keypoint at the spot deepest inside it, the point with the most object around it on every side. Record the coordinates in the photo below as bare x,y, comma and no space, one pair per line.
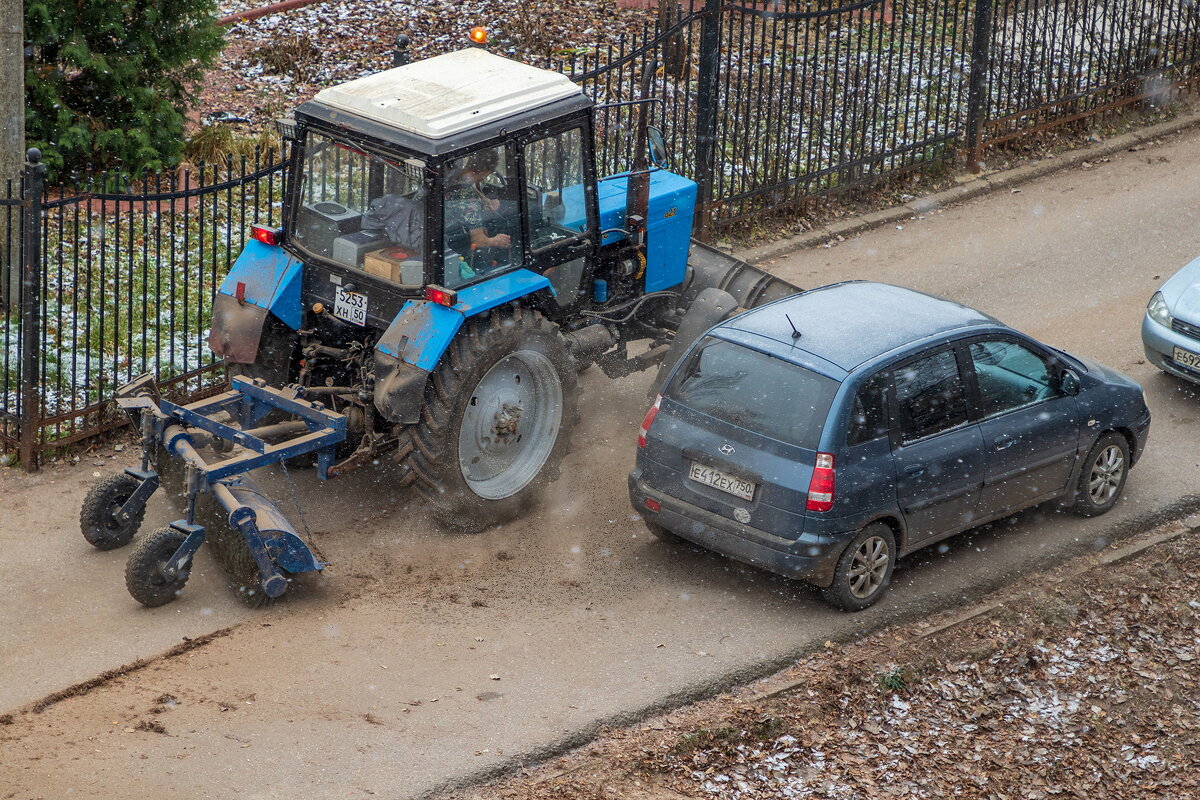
1082,564
760,681
969,186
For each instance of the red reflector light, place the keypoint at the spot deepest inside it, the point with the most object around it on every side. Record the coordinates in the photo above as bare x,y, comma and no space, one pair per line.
265,235
820,488
443,297
240,291
648,421
653,505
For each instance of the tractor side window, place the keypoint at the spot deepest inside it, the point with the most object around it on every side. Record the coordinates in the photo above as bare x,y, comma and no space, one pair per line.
555,188
480,216
362,211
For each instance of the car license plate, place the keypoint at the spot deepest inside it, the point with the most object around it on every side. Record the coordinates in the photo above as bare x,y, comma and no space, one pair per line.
1185,358
350,306
721,480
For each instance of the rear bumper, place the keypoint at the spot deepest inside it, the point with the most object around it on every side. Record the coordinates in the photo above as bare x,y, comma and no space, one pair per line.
810,558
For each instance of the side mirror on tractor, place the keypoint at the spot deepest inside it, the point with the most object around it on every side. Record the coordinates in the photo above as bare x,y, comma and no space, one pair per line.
658,148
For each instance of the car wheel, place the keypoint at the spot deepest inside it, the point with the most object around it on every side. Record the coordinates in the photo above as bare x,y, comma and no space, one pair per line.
1102,478
864,569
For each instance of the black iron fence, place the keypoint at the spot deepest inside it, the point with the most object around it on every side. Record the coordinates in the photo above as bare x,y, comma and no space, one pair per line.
762,103
768,102
111,284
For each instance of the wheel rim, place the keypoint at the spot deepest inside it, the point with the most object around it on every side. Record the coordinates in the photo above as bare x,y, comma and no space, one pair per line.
1105,477
510,425
117,501
868,567
158,576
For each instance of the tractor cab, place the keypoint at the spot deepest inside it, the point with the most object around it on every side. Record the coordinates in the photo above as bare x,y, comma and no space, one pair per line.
443,173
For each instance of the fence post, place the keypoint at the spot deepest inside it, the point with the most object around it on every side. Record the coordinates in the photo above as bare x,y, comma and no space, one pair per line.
981,45
32,183
706,114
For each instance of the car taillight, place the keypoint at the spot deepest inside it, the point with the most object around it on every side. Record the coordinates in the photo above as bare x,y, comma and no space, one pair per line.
648,421
265,235
820,488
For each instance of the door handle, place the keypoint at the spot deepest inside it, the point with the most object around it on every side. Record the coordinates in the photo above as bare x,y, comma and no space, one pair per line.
913,470
1003,442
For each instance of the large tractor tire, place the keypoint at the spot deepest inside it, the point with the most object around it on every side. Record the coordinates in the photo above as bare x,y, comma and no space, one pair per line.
497,420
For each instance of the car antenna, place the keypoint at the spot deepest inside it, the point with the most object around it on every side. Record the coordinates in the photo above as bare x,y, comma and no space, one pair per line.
795,331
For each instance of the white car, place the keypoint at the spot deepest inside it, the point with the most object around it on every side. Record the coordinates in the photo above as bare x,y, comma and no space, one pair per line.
1171,327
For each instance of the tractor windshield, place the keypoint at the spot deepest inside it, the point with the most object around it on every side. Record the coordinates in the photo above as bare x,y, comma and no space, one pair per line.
362,211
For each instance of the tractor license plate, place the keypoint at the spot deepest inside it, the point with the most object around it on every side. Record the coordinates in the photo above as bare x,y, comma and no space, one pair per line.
1185,358
350,306
721,480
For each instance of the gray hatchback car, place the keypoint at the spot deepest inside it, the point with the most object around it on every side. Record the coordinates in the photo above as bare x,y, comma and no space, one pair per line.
824,435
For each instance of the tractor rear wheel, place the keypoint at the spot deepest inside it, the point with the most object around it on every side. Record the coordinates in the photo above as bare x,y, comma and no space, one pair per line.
497,420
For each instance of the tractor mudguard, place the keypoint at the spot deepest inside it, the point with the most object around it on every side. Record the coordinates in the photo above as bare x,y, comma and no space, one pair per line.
264,279
417,339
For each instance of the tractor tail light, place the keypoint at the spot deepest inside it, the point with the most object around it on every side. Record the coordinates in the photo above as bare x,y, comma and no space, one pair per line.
265,235
820,488
648,421
443,297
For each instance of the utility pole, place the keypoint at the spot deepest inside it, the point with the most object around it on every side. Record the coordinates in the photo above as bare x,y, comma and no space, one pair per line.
12,144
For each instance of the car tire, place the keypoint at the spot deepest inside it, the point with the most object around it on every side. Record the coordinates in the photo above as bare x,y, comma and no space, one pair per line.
864,569
1102,478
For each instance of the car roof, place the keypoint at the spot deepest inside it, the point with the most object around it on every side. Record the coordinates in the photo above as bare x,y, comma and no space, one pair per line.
849,323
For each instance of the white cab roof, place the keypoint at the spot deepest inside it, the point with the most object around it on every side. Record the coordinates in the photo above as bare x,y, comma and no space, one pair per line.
448,94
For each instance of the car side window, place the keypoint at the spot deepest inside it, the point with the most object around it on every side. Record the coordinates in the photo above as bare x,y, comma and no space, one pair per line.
868,413
1009,376
929,395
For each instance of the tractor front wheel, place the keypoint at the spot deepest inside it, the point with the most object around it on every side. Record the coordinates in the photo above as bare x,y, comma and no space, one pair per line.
498,417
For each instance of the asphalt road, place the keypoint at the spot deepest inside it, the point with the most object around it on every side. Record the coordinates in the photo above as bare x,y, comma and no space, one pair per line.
425,658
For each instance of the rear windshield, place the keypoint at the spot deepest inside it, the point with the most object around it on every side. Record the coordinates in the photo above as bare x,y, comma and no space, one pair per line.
755,391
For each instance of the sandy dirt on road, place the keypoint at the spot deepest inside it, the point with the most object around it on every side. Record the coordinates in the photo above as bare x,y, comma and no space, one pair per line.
1077,683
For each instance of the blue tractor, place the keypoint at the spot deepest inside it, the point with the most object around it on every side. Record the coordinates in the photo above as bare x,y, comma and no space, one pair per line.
448,262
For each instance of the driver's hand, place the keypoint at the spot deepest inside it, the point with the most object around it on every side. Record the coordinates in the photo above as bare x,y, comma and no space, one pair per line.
500,240
492,204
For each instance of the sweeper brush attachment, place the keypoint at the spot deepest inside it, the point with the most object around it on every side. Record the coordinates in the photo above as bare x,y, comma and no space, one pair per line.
249,535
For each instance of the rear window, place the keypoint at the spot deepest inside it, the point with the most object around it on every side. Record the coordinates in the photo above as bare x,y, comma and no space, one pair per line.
755,391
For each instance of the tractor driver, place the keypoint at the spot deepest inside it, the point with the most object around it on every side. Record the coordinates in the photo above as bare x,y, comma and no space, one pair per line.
467,207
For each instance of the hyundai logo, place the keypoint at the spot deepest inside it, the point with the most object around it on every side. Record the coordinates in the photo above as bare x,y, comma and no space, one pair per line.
726,449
